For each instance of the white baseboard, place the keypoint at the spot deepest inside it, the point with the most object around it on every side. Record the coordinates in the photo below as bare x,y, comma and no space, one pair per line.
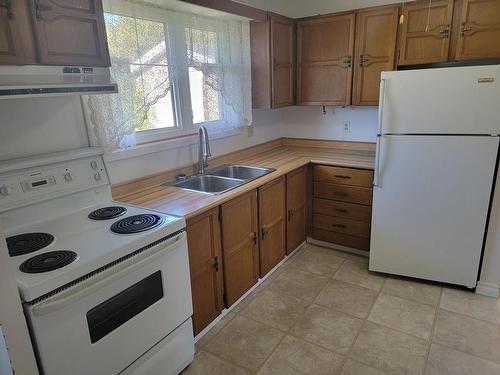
259,282
487,289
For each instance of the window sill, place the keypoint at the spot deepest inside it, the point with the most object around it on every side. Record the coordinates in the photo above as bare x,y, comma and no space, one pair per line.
164,145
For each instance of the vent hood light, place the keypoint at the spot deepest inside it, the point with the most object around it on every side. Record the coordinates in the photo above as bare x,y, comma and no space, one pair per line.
30,81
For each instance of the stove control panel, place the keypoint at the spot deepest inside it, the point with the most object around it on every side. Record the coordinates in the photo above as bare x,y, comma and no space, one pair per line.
36,184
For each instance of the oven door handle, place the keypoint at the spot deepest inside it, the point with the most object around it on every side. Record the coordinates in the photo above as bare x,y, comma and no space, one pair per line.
99,281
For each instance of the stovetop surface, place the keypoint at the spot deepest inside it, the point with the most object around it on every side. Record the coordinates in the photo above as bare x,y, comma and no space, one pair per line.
92,240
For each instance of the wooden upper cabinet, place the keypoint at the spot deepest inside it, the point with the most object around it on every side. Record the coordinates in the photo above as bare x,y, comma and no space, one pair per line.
240,245
376,35
478,34
296,202
282,59
16,36
205,264
325,47
70,32
272,224
425,33
272,47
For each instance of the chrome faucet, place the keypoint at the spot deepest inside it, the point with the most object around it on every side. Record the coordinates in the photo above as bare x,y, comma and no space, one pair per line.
203,150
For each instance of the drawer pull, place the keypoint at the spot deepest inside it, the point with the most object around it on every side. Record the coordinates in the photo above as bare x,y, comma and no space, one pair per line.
340,194
341,210
342,176
339,226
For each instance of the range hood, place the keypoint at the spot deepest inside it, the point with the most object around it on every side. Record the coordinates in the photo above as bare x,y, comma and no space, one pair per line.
29,81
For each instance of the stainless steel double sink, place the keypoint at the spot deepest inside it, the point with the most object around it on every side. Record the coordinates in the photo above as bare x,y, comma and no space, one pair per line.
222,179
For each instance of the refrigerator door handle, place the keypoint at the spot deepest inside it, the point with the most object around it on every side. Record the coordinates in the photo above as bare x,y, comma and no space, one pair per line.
379,133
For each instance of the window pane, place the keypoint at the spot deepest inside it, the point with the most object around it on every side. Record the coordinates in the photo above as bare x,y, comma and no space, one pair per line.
203,79
205,101
140,67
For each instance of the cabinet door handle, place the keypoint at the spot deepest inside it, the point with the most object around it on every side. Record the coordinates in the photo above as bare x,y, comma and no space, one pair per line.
216,263
254,238
39,8
276,64
339,226
464,29
341,210
263,232
342,176
7,4
290,215
347,60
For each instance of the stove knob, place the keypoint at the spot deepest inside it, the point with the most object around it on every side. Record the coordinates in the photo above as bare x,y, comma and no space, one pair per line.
97,176
68,177
93,164
5,190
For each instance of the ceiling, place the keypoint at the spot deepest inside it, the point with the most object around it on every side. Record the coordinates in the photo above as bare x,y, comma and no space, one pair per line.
304,8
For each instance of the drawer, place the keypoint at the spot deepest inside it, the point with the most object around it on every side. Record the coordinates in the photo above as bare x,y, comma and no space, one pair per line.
344,193
341,225
342,209
341,239
343,176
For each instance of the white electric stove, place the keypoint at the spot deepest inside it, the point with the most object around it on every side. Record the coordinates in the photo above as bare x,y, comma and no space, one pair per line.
105,285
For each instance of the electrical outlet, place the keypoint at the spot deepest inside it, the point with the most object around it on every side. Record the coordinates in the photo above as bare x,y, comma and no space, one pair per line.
347,126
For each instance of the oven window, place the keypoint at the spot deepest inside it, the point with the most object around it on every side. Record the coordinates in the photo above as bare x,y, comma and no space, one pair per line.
119,309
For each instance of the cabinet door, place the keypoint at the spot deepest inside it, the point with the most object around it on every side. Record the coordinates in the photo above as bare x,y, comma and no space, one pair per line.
70,32
325,48
376,35
479,33
425,32
282,54
16,36
240,246
296,183
272,224
205,264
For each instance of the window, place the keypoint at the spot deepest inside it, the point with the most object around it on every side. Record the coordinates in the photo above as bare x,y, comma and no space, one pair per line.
175,71
139,57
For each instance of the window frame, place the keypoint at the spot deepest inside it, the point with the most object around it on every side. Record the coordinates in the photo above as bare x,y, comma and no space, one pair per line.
180,91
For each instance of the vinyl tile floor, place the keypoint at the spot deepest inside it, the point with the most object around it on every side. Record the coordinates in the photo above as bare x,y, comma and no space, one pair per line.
323,312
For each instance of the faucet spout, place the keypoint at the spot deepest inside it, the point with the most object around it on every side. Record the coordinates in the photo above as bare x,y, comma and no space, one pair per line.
203,149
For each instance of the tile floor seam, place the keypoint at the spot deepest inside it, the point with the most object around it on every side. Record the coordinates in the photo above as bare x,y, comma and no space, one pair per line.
396,329
390,329
463,351
361,330
470,316
433,332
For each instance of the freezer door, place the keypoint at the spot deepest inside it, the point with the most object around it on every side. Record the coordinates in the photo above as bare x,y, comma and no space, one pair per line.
430,206
462,100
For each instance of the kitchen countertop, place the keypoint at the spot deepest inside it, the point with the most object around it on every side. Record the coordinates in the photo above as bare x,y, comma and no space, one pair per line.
284,158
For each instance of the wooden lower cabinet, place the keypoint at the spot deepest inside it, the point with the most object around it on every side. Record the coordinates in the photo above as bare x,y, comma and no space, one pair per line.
341,209
296,201
240,246
205,264
272,201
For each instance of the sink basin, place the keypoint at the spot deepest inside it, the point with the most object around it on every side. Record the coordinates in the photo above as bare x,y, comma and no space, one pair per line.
209,184
241,172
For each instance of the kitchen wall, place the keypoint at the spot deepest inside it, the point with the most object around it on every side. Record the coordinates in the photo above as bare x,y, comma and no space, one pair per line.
37,126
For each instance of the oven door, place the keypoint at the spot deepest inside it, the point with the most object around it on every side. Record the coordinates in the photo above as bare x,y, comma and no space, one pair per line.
102,326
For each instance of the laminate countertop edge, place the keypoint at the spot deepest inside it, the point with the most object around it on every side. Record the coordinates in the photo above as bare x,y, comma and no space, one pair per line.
175,201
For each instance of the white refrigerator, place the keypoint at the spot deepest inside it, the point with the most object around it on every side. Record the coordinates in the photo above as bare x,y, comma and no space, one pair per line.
437,147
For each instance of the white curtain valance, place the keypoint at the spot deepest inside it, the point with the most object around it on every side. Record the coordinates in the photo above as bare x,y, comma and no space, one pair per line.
151,59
